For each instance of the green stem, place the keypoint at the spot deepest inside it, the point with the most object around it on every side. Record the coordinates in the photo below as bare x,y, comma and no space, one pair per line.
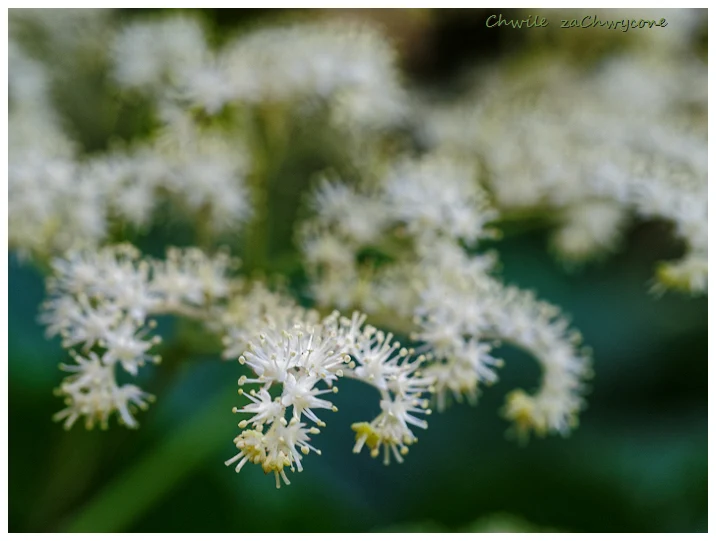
268,149
255,253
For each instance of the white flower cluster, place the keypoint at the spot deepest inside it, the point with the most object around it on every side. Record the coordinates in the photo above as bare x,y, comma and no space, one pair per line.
349,67
460,315
402,244
62,199
42,182
435,197
671,190
61,202
296,366
421,214
101,301
561,139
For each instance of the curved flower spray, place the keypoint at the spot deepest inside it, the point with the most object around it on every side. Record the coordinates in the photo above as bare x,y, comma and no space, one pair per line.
392,239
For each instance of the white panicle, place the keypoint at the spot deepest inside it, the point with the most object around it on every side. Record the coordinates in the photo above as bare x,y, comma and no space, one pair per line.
101,300
433,208
396,228
296,367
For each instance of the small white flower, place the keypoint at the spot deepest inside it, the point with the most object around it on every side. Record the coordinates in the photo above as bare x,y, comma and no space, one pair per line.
453,379
301,393
127,345
92,392
353,215
263,406
88,324
293,439
391,428
439,194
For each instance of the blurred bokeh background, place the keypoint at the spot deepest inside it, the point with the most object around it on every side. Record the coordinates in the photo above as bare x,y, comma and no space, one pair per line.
638,461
